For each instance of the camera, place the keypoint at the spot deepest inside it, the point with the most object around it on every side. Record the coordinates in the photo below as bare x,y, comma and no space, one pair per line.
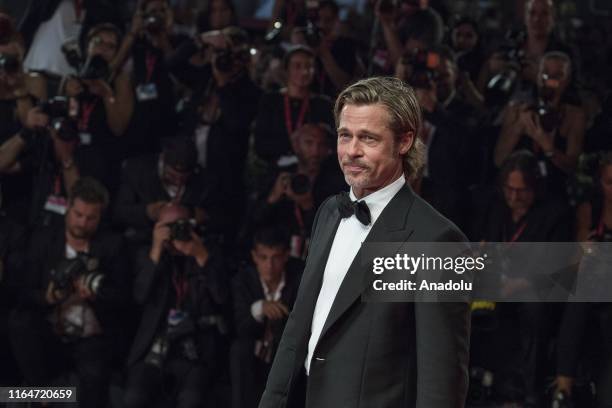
58,110
549,116
94,68
299,183
67,270
387,6
154,23
226,59
424,65
9,63
500,87
181,230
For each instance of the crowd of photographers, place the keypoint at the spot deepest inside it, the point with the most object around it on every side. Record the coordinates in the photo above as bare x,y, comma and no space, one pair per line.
161,163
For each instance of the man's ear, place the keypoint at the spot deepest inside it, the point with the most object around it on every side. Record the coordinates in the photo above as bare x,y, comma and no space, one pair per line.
405,143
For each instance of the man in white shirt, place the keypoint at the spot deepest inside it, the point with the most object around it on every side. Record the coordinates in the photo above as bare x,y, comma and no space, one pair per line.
336,350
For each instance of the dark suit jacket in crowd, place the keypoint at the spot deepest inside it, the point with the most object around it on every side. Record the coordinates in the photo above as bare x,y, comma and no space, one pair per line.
373,354
208,295
247,289
141,185
48,247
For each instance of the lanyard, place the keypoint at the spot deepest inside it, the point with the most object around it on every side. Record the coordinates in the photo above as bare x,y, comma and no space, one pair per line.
518,232
87,109
299,217
301,115
150,61
57,189
181,286
78,9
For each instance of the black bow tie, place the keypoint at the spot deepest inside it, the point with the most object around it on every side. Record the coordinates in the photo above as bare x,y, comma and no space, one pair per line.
346,207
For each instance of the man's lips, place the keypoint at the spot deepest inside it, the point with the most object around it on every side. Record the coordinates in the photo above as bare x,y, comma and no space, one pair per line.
353,167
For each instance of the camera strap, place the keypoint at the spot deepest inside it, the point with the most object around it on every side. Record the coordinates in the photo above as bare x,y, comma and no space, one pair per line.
87,110
181,287
518,233
288,116
150,62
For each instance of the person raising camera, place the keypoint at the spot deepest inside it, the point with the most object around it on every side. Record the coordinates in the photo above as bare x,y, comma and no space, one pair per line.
181,284
75,285
105,98
19,92
551,127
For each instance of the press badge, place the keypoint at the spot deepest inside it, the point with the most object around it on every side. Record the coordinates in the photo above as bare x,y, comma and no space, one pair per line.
85,138
146,92
56,204
543,168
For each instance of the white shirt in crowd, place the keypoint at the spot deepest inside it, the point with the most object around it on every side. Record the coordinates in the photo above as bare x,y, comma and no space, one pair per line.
45,53
257,306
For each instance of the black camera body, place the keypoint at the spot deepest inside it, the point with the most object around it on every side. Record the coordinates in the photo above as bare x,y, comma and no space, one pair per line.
67,270
227,59
154,23
95,68
58,110
548,114
424,65
300,184
9,63
181,230
500,87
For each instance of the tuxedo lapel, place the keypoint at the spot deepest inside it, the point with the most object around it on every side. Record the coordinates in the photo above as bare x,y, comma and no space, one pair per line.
315,266
391,226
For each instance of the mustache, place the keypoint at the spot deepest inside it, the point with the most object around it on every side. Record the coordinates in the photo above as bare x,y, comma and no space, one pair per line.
356,163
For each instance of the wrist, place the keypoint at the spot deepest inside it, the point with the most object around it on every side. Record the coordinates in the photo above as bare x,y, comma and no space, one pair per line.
201,256
67,163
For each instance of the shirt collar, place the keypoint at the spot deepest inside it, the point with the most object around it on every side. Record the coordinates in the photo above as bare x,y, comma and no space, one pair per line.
277,293
379,199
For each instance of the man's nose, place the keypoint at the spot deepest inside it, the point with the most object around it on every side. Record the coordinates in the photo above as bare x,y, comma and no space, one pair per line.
354,148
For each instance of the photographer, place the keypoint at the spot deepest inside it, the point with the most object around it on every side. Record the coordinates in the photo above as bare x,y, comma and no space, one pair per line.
263,294
105,99
150,42
223,101
151,182
445,132
281,113
525,49
69,315
594,224
521,211
19,92
292,195
182,286
403,25
551,127
336,55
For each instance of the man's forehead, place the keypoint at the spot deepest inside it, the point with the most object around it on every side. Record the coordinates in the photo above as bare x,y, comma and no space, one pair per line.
366,116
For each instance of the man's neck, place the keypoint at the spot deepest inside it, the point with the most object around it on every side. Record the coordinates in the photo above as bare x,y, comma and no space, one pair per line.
273,284
78,244
537,45
518,214
294,91
312,173
363,192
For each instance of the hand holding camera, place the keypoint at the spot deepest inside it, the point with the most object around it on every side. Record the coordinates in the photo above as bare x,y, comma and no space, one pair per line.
274,310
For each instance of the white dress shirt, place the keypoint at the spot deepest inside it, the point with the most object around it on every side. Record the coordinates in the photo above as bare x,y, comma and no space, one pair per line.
348,239
45,52
257,306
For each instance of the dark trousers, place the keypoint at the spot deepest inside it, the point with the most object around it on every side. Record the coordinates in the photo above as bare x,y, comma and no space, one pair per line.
41,356
249,374
179,383
574,328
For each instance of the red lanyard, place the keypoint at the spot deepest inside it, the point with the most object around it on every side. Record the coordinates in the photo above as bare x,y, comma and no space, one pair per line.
322,80
181,286
57,185
151,60
291,14
299,217
87,109
518,232
301,115
78,9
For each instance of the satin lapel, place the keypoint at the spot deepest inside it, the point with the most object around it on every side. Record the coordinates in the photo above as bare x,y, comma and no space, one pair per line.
391,226
315,266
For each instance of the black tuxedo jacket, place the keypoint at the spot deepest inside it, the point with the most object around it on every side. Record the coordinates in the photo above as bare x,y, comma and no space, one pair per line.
373,354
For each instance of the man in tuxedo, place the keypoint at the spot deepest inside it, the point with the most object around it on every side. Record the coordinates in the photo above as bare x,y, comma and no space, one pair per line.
337,351
263,294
